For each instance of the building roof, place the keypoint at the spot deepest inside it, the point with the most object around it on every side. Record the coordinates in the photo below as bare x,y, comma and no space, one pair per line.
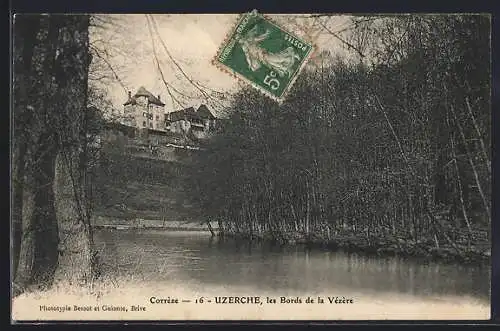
204,112
191,114
142,92
182,114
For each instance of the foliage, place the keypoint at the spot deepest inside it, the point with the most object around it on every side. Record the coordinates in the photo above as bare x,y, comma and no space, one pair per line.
396,146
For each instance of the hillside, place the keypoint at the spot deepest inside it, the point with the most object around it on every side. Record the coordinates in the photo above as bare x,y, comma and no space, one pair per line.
128,185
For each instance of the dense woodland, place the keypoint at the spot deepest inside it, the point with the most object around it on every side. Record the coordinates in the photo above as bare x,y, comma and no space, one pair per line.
389,151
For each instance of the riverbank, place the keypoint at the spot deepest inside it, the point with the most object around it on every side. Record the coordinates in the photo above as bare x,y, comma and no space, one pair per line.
138,265
114,223
422,250
347,241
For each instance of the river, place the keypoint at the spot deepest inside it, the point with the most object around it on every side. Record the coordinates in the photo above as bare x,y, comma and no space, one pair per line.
188,275
207,265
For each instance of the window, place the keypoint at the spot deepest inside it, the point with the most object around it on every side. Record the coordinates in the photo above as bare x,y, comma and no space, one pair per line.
150,125
157,117
143,123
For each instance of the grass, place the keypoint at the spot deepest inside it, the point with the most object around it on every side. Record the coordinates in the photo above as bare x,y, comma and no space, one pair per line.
130,198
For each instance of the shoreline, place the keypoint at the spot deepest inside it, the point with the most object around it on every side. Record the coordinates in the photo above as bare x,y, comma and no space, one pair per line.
113,223
377,248
425,251
166,228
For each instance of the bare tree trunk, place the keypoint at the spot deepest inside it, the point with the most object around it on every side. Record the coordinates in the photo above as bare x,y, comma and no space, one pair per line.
38,255
26,252
38,252
461,195
25,28
76,262
308,210
72,203
17,203
57,88
479,135
472,164
44,223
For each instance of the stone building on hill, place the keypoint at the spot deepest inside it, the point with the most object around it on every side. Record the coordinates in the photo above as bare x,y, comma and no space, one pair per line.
144,110
199,122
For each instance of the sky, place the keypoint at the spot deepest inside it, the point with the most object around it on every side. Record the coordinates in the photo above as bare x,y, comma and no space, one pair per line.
192,41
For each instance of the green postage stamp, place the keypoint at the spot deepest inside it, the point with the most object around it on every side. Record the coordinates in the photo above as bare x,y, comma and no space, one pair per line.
264,55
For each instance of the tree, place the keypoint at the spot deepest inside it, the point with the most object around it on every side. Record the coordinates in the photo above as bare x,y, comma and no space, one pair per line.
394,146
51,61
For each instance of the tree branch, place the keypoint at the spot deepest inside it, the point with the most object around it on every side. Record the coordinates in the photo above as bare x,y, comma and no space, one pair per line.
349,45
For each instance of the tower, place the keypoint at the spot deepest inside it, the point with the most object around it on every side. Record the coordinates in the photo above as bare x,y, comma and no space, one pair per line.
144,110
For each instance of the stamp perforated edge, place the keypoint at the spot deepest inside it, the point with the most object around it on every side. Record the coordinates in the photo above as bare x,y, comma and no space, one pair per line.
215,60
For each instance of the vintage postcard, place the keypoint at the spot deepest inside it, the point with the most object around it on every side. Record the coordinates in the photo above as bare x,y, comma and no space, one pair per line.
251,166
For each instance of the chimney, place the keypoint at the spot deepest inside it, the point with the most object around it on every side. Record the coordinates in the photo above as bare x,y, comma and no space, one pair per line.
129,95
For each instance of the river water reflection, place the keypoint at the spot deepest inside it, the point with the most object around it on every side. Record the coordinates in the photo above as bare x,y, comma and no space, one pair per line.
196,259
